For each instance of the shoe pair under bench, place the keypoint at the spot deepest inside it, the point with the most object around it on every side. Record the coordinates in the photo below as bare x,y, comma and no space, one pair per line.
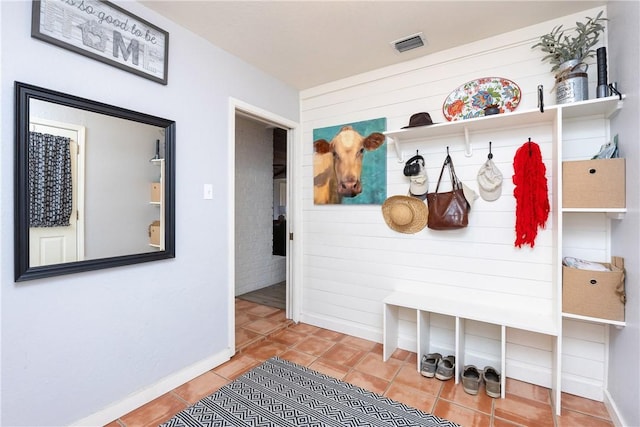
443,368
434,365
472,377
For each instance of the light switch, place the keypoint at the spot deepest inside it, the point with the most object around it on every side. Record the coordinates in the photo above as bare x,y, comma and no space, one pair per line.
208,192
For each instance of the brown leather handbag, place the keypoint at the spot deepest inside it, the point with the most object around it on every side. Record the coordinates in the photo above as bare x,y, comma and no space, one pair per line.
448,210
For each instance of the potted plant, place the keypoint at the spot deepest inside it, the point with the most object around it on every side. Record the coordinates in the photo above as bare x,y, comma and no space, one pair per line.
567,54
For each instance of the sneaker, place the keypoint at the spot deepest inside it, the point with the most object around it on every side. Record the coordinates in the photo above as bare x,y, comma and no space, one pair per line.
471,379
446,368
491,379
429,363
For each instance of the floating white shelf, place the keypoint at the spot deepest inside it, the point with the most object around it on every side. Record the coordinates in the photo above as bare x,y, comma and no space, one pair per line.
607,107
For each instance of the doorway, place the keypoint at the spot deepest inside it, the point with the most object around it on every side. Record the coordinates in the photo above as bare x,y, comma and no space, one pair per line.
260,153
64,243
261,212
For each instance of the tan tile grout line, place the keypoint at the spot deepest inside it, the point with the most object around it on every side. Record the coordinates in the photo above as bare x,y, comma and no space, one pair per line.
261,338
177,396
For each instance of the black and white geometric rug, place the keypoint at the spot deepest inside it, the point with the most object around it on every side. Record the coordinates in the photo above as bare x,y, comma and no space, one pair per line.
280,393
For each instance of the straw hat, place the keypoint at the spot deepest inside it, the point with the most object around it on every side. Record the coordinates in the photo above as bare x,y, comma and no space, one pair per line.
405,214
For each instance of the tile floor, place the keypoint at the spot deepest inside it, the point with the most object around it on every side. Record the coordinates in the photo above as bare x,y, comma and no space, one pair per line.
262,332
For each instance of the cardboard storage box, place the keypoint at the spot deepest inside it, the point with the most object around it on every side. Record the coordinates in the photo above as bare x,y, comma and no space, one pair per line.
593,184
155,192
595,293
154,233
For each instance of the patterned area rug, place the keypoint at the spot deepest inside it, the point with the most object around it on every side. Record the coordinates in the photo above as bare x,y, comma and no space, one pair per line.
280,393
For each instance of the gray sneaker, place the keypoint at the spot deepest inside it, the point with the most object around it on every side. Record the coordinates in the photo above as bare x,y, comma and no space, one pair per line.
471,379
429,363
491,379
446,368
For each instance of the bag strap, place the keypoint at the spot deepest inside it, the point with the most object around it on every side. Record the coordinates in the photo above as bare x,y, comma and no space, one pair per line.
455,182
446,160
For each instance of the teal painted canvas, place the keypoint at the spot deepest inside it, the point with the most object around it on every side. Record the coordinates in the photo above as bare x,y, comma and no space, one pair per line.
350,163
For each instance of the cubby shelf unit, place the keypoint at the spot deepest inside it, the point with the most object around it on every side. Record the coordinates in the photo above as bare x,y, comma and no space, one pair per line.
519,316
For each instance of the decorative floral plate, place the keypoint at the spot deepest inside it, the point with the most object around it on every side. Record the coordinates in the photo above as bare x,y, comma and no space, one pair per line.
470,99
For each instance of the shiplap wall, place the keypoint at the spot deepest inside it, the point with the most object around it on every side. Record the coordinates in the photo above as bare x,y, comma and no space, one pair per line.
352,260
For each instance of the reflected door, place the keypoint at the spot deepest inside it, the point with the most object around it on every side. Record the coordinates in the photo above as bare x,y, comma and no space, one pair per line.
55,245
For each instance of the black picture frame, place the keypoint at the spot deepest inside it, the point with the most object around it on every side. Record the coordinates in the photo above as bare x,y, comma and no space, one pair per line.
105,32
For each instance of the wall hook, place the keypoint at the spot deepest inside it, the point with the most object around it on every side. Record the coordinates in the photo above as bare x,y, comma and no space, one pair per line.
490,156
529,147
614,89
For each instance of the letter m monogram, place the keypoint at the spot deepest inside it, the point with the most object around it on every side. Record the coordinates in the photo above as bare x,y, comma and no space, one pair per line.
133,50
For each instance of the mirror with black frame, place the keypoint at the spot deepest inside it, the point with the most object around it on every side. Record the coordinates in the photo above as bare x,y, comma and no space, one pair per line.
94,185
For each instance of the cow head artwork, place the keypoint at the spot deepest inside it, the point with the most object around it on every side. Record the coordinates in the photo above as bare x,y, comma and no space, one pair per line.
338,164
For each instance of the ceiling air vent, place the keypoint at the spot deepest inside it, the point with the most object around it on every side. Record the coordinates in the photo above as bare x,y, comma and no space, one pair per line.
409,42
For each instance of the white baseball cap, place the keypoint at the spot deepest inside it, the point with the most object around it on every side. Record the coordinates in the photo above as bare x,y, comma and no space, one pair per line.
489,181
469,194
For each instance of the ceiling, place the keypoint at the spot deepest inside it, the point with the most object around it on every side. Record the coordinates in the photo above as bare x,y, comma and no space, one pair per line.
309,43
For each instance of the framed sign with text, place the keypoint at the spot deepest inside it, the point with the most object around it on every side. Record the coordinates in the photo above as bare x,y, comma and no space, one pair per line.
105,32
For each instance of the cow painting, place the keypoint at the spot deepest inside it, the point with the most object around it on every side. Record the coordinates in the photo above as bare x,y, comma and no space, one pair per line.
349,166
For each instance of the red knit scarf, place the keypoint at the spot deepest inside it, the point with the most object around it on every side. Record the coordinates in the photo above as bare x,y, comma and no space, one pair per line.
532,200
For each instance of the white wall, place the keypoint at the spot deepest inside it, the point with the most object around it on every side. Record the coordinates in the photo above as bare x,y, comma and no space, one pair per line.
256,266
352,260
624,62
106,342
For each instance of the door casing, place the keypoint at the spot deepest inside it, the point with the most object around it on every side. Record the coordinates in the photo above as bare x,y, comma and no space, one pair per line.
292,305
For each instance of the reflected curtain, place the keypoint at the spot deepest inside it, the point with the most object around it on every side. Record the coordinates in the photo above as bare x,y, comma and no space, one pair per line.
50,184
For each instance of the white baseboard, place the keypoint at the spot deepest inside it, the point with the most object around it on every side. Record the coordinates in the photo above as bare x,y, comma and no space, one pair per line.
356,330
141,397
612,408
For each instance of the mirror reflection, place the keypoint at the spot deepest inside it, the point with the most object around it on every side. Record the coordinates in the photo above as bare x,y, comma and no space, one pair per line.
94,185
